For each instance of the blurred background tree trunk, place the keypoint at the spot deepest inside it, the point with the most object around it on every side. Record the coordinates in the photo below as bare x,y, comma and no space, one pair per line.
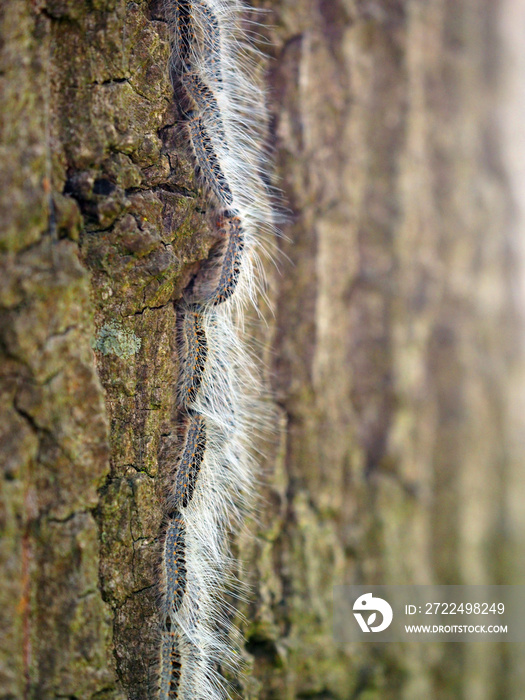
395,352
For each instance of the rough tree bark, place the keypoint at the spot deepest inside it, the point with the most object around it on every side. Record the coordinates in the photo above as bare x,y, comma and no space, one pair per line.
393,353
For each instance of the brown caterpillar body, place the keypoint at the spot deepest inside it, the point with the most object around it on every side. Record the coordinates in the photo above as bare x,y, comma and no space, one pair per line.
170,665
208,162
175,564
192,453
231,266
194,352
185,28
217,279
205,102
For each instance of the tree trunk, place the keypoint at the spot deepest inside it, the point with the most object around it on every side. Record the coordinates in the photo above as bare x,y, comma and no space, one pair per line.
394,351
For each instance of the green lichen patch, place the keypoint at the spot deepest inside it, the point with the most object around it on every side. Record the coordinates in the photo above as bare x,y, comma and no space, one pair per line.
114,339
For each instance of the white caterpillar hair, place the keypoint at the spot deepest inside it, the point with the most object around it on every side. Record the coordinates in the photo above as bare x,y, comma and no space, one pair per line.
209,488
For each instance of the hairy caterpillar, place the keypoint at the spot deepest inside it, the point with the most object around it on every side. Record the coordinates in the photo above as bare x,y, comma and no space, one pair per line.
194,351
170,665
218,392
174,557
198,36
205,102
192,454
212,41
218,278
184,28
208,161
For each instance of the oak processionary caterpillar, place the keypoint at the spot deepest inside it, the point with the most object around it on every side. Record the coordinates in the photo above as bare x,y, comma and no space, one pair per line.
209,486
191,455
174,557
193,353
169,669
218,277
205,102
